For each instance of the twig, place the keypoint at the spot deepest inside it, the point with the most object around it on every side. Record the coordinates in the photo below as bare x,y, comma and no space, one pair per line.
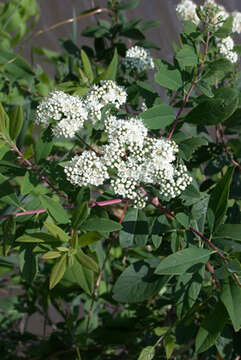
87,145
28,163
228,152
73,19
191,88
70,206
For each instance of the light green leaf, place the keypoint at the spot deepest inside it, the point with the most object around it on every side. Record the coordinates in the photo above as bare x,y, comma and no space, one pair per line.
187,56
89,238
58,271
158,117
51,255
56,232
86,261
87,66
82,276
38,237
167,76
15,122
147,353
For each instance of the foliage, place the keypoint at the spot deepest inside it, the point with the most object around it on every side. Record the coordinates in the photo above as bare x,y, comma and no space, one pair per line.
159,281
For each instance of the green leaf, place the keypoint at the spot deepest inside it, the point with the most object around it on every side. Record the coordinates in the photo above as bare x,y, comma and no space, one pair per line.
216,110
101,225
187,56
135,229
51,255
226,29
205,88
15,122
188,146
169,345
219,198
54,209
4,121
183,219
28,263
80,215
26,185
211,328
38,237
89,238
231,231
110,73
138,283
181,261
87,66
43,145
231,298
15,66
167,76
147,353
158,117
82,276
86,261
56,232
127,5
58,271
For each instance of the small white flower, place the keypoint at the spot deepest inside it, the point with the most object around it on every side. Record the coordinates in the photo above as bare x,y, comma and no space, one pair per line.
236,22
108,92
186,10
66,113
214,14
86,169
138,59
226,46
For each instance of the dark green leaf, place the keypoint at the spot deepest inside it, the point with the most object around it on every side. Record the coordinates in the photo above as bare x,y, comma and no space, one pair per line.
183,260
135,229
100,224
55,209
138,283
110,73
82,276
43,145
219,198
231,231
211,328
80,215
231,298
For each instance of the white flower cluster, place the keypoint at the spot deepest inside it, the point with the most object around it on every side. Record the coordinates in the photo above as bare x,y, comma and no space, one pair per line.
66,113
130,159
101,95
138,59
226,46
186,10
236,22
213,13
